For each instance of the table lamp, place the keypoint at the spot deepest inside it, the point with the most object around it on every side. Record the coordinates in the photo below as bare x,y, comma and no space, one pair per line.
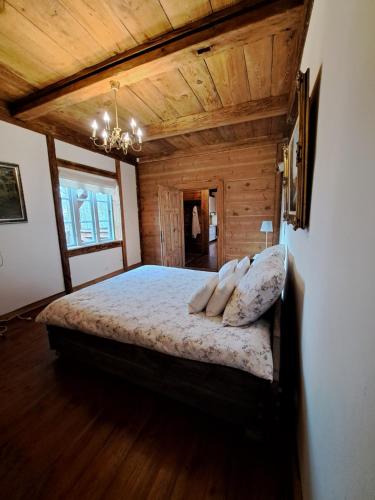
266,227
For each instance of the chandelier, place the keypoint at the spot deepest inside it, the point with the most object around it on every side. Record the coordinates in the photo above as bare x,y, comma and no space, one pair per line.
116,138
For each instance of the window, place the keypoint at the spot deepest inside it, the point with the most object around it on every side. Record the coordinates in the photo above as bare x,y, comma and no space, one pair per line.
90,205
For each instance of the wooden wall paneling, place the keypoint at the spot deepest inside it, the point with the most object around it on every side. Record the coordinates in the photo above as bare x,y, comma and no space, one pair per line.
139,203
214,148
228,71
249,195
205,219
59,214
258,56
277,210
123,242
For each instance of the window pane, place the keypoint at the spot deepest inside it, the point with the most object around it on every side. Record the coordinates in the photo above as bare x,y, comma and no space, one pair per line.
88,216
69,233
64,192
87,230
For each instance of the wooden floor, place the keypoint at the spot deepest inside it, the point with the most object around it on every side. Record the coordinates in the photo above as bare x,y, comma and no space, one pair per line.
79,434
205,262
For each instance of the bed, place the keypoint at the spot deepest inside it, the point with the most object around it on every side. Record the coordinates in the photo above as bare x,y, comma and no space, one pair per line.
137,325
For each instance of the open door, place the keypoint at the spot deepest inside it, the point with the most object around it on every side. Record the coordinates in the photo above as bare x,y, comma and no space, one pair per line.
171,226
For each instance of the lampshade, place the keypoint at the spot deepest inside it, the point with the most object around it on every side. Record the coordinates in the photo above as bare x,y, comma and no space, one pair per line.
266,226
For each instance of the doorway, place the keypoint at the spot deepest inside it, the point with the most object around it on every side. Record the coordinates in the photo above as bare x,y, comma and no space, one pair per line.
200,229
198,204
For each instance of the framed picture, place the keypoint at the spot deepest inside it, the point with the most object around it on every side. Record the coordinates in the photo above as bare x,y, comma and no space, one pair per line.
296,160
12,203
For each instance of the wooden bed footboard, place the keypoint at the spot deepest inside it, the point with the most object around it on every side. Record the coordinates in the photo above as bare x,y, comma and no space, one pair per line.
227,393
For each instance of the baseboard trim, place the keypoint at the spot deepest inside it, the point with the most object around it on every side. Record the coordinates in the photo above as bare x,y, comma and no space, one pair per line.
97,280
30,307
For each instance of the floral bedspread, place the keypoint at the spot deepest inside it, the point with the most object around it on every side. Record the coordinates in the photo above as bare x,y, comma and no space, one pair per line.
148,307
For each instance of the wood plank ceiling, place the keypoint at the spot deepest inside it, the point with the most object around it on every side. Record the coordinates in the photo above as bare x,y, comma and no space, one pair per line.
236,88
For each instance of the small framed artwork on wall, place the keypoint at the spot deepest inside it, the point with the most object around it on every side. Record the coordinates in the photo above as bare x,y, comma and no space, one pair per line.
12,203
296,160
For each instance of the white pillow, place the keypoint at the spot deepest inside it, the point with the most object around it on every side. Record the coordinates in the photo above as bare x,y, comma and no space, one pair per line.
221,295
199,299
275,251
257,291
224,289
227,269
242,268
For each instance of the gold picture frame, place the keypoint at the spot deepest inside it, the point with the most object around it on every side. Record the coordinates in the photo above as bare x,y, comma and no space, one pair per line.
12,202
296,160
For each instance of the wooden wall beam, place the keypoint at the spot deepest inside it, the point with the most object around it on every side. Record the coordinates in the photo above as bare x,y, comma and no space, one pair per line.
214,148
239,24
122,208
59,214
230,115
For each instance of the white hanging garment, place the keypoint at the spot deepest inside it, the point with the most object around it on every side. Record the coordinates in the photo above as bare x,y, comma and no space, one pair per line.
196,228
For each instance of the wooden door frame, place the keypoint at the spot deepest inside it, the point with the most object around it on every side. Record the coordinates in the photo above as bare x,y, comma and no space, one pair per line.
219,186
160,188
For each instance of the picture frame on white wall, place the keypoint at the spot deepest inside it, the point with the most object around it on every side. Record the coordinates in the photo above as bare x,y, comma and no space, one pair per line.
296,160
12,201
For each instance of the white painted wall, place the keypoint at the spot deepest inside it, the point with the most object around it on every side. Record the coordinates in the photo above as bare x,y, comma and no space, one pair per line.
90,266
129,192
66,151
332,264
32,266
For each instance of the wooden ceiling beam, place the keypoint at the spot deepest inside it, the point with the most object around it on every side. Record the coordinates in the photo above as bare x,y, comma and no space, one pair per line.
236,25
230,115
214,148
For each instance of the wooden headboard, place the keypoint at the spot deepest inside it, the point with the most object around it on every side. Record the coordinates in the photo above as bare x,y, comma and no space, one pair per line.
276,340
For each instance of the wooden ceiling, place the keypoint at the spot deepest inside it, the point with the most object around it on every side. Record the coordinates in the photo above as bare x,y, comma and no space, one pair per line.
195,73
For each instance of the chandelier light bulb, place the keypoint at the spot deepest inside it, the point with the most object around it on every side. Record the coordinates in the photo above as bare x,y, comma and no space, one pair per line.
94,128
115,138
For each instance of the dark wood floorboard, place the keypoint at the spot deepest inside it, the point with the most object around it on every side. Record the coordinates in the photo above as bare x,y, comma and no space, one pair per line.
204,262
72,433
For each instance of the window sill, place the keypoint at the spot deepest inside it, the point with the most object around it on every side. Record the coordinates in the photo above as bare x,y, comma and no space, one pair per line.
96,247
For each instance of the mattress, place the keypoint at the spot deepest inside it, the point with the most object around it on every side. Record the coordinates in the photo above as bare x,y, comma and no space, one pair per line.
148,307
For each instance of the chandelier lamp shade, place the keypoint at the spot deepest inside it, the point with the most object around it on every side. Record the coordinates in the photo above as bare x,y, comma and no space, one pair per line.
116,138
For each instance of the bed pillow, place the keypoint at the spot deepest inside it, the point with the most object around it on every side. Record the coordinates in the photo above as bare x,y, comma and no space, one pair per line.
257,291
224,289
242,267
200,297
221,295
274,251
227,269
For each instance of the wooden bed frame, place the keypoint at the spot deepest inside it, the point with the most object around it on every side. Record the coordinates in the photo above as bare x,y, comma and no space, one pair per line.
227,393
